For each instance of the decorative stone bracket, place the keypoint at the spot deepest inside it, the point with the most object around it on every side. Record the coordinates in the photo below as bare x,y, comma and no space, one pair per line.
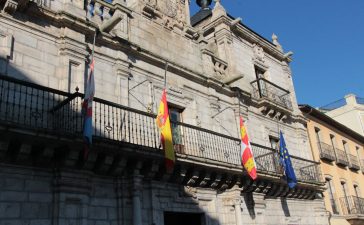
11,6
6,41
111,18
214,66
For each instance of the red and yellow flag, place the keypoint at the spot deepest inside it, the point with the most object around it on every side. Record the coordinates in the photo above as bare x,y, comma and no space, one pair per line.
246,154
164,126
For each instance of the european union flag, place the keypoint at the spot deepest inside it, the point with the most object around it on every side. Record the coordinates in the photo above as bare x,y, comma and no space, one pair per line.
286,162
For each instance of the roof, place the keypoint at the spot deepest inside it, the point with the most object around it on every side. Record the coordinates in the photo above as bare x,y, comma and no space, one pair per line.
340,103
200,16
207,12
309,110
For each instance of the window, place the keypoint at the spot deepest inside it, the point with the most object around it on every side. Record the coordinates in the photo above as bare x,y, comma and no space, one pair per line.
175,115
357,191
330,190
343,186
274,142
346,148
73,80
345,198
333,141
357,150
259,73
318,134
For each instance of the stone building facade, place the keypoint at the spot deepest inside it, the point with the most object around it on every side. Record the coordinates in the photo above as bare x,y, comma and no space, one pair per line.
217,69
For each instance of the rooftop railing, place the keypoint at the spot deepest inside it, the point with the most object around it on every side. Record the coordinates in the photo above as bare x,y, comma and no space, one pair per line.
33,107
326,151
264,89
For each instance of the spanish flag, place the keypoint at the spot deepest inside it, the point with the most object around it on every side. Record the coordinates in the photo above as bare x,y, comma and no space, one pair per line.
246,154
164,126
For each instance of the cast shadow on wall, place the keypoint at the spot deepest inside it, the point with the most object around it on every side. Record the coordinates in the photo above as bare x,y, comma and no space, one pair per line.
21,106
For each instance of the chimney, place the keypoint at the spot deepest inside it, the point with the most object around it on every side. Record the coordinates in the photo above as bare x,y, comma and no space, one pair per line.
350,99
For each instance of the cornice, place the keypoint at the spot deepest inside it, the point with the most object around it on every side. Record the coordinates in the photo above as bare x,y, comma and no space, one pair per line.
242,31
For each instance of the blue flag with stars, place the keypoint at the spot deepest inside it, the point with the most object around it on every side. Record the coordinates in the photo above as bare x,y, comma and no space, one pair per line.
286,162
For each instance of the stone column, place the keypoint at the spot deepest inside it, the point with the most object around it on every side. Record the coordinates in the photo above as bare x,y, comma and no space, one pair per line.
237,206
136,193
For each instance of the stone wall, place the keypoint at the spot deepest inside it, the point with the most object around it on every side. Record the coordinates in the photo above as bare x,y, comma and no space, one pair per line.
34,196
56,56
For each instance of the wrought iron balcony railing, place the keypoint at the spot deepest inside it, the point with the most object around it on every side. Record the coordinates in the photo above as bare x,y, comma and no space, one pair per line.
266,90
354,162
352,205
326,151
40,109
341,157
267,159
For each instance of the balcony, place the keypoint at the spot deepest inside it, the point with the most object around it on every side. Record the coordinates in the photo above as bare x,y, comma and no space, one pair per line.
352,205
268,93
43,112
354,162
327,152
341,158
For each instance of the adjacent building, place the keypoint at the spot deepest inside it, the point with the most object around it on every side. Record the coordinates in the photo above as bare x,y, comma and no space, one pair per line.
348,111
216,68
340,152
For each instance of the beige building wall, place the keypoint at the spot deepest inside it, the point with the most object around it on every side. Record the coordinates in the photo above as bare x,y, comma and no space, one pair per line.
321,133
351,114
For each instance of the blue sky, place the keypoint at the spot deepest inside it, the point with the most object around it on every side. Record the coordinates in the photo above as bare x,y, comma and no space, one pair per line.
326,36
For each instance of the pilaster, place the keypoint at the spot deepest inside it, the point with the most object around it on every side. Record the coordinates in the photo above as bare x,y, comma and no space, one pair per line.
71,197
136,193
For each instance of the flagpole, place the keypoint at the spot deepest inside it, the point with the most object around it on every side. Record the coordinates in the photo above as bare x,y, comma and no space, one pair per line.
165,75
239,113
93,46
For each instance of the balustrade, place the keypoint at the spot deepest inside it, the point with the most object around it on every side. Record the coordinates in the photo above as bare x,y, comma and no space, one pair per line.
29,106
352,205
326,151
264,89
354,162
341,157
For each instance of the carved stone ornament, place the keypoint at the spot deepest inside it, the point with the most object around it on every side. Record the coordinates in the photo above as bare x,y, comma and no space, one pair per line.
170,8
213,66
151,2
170,13
10,6
259,54
190,192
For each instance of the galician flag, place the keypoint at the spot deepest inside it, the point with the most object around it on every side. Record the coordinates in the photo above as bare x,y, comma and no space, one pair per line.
164,126
246,154
87,109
